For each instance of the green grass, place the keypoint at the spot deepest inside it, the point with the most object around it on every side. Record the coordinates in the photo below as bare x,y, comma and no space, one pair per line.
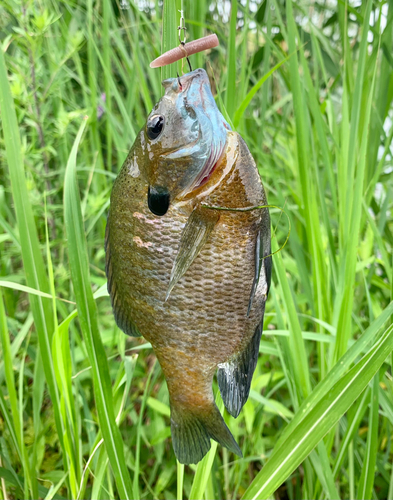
84,411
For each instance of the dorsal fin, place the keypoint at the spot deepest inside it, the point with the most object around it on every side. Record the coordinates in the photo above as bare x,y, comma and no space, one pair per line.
195,234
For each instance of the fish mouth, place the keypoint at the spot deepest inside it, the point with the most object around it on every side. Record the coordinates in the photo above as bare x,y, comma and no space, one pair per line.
186,80
158,200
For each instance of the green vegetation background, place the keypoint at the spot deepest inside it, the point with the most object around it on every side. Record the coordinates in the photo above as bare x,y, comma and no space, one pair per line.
83,409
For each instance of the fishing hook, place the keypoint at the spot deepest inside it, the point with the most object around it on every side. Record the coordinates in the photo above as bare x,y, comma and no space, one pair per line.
179,82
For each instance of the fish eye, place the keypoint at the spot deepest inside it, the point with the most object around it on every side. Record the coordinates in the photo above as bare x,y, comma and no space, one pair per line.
154,126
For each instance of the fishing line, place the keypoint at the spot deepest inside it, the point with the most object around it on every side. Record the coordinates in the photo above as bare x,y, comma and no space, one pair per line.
182,26
257,207
278,222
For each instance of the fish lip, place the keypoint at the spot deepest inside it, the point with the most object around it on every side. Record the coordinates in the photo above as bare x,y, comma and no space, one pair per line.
158,200
187,79
172,84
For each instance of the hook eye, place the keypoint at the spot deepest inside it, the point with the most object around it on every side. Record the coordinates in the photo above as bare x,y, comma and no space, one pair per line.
182,27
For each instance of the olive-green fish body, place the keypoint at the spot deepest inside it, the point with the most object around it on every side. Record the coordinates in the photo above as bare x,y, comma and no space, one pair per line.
193,283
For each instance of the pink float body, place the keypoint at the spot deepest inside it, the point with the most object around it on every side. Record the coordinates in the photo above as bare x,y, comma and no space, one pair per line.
173,55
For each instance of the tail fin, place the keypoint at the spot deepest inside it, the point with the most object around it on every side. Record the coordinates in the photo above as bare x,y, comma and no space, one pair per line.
191,433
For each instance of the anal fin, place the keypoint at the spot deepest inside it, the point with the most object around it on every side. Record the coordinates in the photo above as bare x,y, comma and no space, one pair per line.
234,377
197,230
122,316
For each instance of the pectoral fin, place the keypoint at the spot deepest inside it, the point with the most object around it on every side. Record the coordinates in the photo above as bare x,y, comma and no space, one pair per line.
195,234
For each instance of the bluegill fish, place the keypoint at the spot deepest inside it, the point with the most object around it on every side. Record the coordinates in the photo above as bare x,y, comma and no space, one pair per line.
192,280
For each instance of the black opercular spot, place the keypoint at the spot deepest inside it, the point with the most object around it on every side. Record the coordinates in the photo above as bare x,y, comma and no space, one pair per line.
154,126
158,200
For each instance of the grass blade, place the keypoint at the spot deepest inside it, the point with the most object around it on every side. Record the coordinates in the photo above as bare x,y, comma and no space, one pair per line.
367,476
36,276
180,478
338,371
246,101
135,485
319,420
87,312
230,94
299,355
353,200
169,36
204,467
353,426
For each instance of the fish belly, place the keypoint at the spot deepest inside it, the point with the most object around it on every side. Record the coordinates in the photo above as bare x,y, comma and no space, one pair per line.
205,316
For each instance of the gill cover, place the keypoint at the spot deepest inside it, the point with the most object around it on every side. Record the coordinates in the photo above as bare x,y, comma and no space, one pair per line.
184,137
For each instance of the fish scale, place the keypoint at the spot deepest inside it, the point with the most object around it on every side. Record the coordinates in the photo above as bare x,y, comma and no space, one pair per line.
204,323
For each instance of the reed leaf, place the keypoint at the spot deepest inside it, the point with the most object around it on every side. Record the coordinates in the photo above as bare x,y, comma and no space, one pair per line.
87,313
304,437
